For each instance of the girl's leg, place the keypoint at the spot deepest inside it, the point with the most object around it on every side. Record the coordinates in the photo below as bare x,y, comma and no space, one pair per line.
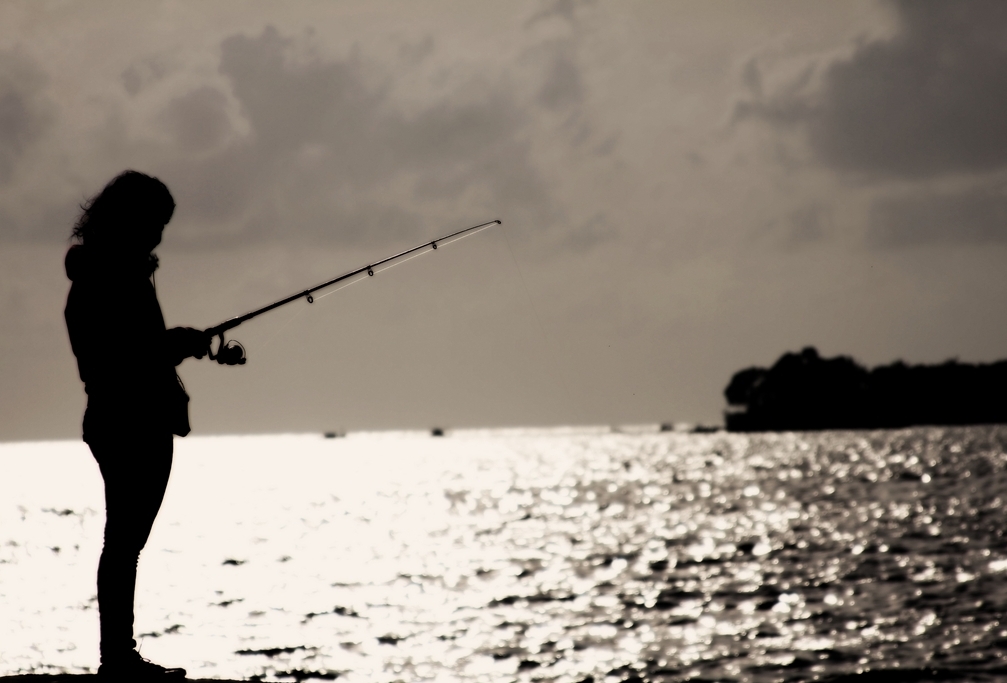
135,470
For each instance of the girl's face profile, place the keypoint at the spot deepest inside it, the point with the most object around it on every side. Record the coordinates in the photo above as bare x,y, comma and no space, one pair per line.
153,236
146,236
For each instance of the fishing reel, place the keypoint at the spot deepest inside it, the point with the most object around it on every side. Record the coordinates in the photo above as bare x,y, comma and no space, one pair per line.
228,352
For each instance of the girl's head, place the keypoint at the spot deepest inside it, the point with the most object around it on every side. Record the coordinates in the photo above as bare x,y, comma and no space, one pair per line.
127,216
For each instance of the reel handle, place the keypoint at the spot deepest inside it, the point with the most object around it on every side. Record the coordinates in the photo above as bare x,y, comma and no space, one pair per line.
228,352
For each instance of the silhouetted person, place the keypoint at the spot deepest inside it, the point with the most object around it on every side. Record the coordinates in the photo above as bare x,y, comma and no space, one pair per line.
135,402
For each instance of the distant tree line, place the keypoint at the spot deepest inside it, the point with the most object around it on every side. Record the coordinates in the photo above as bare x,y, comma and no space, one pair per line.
803,391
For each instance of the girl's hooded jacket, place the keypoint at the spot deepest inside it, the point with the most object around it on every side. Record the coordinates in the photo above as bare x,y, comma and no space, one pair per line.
125,356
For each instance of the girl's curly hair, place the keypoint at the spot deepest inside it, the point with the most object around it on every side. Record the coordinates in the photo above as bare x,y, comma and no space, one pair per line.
130,198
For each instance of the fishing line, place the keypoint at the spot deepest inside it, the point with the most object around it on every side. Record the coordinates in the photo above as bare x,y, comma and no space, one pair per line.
300,311
389,267
233,353
353,282
271,338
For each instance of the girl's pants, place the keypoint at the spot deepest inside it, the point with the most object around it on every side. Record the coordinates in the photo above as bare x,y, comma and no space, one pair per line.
135,469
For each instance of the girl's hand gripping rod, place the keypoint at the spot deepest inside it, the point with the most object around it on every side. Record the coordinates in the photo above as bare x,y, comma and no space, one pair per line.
233,353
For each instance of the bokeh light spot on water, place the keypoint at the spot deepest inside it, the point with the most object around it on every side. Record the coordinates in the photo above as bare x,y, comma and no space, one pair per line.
551,555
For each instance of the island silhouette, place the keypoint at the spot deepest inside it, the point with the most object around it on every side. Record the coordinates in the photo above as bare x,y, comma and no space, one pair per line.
804,391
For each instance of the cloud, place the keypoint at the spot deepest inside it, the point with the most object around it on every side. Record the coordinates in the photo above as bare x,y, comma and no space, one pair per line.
142,73
597,230
974,217
565,10
563,87
809,223
25,112
269,135
199,119
923,103
329,154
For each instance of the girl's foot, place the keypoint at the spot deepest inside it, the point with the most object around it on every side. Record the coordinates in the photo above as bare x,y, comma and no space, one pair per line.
132,667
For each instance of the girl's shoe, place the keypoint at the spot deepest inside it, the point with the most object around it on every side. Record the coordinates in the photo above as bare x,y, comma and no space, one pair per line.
134,668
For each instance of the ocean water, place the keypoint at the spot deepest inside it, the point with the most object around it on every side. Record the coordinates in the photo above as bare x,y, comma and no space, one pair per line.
557,555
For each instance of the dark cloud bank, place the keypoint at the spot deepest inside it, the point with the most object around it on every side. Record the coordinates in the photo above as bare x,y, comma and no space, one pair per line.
925,104
928,102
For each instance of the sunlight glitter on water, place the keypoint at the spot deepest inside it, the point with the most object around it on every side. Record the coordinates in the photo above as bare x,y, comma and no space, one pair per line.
528,555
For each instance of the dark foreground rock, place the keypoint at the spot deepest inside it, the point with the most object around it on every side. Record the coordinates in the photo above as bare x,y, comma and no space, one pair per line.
803,391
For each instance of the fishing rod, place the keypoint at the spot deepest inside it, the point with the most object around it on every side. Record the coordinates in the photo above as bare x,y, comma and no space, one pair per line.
233,353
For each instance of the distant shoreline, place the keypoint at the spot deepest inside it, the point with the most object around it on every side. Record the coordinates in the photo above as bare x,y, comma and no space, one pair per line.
803,392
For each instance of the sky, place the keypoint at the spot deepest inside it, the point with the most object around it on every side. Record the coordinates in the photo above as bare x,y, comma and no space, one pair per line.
686,189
